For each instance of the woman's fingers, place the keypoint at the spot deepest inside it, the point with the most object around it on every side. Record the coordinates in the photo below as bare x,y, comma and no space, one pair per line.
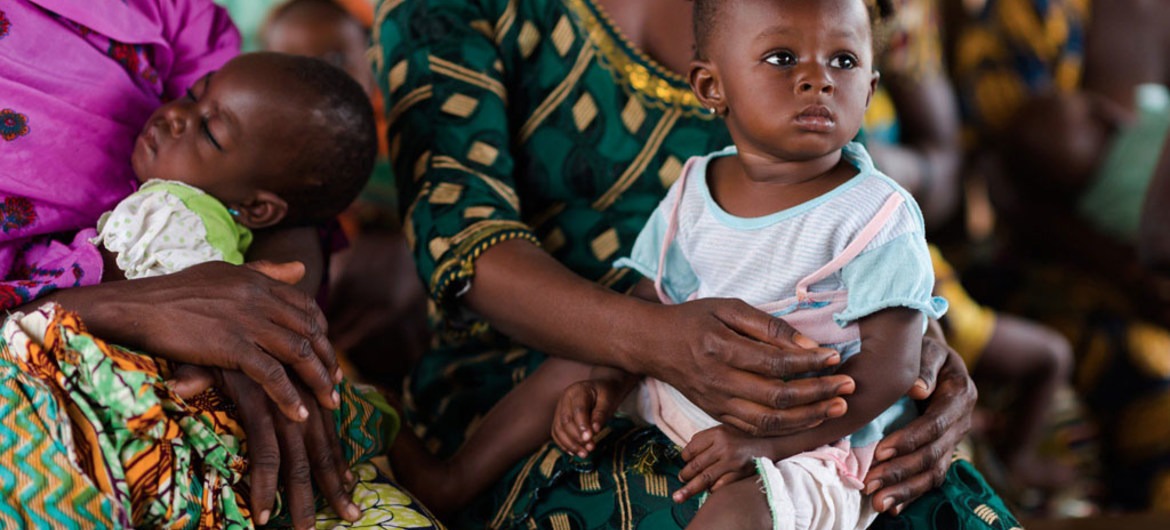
263,449
188,380
270,374
327,466
289,272
770,360
296,336
757,420
772,407
293,349
909,489
302,317
296,475
934,355
234,318
751,322
915,458
802,354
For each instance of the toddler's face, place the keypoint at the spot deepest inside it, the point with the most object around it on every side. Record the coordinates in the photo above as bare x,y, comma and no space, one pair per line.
797,75
233,132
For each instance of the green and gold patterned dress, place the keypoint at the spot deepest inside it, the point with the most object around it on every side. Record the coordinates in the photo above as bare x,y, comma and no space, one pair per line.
537,120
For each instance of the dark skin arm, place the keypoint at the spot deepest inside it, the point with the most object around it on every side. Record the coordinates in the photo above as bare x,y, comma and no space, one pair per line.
915,458
885,370
727,357
233,317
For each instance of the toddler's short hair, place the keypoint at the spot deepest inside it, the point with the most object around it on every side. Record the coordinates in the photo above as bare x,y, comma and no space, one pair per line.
706,21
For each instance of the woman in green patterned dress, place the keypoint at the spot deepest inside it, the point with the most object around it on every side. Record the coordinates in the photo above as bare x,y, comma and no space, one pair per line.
531,140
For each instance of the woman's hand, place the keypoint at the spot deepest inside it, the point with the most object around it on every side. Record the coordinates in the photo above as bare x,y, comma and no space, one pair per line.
215,314
298,454
915,458
735,362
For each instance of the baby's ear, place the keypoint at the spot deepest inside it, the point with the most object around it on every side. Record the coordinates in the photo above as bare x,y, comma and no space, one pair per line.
262,210
705,83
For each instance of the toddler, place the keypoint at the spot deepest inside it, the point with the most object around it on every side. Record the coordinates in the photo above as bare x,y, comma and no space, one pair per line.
793,219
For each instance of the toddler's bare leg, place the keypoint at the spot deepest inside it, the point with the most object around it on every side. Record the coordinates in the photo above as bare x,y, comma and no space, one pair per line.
738,506
515,427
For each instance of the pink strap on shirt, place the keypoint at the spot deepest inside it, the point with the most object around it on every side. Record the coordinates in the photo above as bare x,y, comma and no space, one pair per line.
855,247
852,250
671,230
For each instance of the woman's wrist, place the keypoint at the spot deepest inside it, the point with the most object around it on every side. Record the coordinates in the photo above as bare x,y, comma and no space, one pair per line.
99,306
633,347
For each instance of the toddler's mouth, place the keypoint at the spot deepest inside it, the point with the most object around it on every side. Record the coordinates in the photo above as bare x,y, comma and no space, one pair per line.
816,118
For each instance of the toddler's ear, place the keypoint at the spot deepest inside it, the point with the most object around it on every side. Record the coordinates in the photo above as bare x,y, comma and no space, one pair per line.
262,210
873,84
705,83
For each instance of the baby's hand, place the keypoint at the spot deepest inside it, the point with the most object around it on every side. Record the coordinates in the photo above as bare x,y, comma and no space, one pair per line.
584,408
717,457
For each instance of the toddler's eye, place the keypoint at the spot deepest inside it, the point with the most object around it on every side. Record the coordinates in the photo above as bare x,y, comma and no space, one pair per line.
781,59
191,95
844,62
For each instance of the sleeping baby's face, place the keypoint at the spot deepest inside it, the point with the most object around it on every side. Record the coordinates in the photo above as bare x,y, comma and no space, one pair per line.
235,131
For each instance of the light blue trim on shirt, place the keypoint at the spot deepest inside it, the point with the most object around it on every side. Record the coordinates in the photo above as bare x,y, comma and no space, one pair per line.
853,152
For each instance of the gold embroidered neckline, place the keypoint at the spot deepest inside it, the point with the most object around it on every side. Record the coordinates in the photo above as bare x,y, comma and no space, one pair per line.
651,83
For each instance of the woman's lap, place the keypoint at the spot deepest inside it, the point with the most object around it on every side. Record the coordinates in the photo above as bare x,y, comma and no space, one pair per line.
626,482
92,438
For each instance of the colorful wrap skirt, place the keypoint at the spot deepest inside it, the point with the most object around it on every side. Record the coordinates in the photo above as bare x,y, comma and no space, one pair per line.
92,437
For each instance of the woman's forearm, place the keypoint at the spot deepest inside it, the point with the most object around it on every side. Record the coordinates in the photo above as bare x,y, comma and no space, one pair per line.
732,360
533,298
100,307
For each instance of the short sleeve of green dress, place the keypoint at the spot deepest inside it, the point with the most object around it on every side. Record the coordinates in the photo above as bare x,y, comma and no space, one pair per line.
538,120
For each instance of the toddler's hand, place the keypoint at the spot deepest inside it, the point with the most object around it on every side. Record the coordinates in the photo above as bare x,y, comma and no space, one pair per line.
584,408
717,457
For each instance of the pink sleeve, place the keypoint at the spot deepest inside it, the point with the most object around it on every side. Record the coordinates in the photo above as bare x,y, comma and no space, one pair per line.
202,39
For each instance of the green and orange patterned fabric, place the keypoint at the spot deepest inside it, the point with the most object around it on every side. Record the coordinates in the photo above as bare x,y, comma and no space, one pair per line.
92,437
